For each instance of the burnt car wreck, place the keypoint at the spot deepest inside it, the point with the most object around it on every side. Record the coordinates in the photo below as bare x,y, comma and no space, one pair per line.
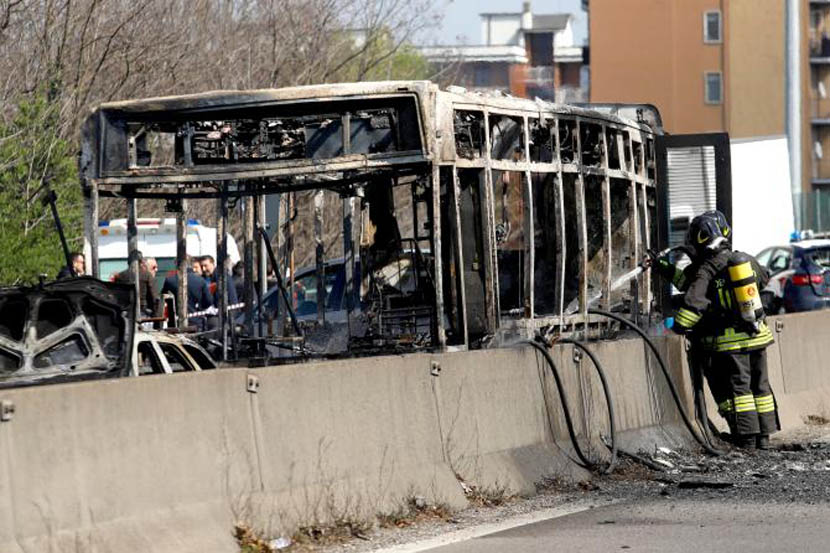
71,329
462,220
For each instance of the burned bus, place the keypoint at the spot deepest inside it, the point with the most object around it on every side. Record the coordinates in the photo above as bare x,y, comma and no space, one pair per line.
462,219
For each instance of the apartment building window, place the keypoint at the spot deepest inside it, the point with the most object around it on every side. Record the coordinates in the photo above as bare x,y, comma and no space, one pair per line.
712,28
713,87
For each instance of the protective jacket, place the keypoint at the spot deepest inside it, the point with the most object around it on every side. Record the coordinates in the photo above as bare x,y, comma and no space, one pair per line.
709,308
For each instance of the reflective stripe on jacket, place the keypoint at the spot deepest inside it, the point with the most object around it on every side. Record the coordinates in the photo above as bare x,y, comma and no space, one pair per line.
731,340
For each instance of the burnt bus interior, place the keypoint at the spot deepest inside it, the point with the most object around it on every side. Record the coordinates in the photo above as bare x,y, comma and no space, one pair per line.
257,134
390,244
552,208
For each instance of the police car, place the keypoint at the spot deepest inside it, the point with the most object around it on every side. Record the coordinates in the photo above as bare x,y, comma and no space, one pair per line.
799,275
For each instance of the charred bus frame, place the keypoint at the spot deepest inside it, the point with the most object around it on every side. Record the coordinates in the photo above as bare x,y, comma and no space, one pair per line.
523,210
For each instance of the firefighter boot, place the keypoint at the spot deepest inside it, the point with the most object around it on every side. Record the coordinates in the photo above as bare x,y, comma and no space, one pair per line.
744,441
762,441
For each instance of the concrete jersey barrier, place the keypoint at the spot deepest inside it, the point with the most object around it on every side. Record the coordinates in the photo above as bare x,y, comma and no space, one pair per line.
168,463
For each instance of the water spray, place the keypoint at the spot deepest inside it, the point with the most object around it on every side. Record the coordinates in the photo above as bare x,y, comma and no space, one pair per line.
622,280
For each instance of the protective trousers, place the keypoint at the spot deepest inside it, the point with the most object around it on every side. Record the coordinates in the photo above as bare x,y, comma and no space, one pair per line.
740,385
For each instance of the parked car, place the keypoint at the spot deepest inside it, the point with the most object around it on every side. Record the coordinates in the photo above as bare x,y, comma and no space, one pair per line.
305,293
157,352
799,276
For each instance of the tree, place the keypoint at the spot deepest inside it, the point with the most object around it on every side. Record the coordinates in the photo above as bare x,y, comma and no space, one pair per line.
386,61
81,53
32,157
91,51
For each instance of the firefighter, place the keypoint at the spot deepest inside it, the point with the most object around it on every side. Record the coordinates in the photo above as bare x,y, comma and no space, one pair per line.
679,271
722,312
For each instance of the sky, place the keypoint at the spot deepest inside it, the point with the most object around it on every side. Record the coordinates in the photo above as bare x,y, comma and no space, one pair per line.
461,21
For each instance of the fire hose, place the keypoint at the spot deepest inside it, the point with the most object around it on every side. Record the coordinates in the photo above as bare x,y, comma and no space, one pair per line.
540,344
669,380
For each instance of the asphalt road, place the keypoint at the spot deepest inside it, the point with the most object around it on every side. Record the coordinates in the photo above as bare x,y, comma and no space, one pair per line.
668,526
738,502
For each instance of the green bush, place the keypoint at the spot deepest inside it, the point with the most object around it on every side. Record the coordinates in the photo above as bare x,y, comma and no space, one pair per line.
31,155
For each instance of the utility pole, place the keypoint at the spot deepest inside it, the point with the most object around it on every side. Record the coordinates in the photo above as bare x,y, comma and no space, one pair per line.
794,105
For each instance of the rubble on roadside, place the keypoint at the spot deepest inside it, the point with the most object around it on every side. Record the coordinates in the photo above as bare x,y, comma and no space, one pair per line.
795,470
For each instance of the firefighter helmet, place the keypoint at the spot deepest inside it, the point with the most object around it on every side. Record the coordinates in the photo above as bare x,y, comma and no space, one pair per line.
720,218
707,231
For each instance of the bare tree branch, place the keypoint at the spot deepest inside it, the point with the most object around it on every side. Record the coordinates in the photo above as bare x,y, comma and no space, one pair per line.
88,51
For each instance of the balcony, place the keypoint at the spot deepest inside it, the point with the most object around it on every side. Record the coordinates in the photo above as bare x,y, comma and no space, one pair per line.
491,54
820,55
819,46
821,171
819,107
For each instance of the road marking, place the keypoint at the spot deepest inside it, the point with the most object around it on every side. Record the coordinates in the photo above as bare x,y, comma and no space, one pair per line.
491,528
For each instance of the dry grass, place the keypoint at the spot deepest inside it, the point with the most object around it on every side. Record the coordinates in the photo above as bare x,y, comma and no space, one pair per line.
414,510
338,531
486,496
249,541
342,529
306,538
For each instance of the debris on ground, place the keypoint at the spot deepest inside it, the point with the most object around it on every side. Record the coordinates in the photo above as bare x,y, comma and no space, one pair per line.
280,543
715,484
794,470
791,471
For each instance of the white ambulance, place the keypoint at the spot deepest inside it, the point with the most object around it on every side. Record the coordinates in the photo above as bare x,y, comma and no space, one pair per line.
156,238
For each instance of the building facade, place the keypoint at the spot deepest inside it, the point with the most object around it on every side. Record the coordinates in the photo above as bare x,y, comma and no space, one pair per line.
720,65
523,53
818,200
